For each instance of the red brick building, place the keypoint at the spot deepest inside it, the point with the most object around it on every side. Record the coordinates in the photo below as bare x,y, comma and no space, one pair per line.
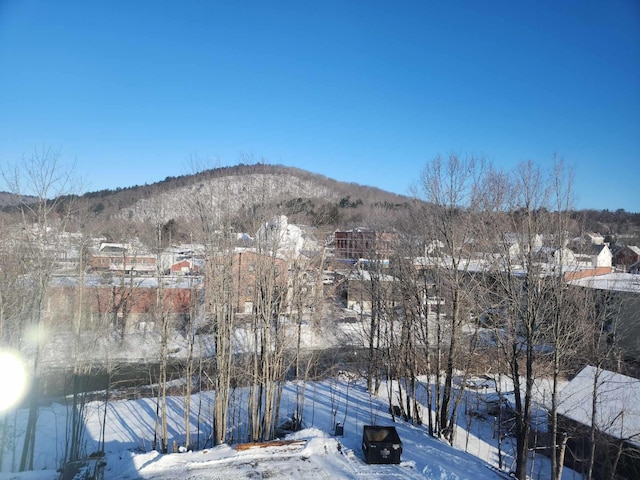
249,268
124,306
363,243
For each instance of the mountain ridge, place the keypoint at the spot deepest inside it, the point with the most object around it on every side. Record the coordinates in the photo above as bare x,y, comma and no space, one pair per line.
310,197
255,192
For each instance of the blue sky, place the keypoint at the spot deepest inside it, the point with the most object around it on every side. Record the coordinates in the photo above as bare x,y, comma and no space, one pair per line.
360,91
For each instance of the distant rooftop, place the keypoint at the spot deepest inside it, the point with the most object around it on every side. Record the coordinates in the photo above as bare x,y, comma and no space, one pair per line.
619,282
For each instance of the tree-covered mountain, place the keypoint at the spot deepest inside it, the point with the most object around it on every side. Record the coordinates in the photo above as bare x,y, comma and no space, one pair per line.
248,193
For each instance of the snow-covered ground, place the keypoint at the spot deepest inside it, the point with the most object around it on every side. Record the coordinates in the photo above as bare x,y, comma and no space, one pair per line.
319,454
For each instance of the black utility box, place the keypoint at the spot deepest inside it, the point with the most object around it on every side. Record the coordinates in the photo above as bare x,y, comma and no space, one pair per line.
381,444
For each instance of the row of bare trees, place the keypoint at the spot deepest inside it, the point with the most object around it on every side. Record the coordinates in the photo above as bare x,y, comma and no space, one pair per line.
483,258
281,297
259,348
28,262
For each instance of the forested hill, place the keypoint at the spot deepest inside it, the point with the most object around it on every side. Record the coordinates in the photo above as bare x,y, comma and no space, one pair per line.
254,192
11,200
248,190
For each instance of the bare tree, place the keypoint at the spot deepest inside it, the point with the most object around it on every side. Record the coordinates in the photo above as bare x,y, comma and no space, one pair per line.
268,331
47,181
452,190
85,339
302,303
215,232
527,286
190,329
568,320
415,342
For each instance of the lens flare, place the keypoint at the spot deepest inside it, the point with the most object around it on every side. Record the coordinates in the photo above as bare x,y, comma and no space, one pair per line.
13,379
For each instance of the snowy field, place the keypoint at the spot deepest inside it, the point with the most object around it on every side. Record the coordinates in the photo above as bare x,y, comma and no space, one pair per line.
318,454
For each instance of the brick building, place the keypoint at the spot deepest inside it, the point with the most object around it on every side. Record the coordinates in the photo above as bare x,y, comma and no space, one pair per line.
363,243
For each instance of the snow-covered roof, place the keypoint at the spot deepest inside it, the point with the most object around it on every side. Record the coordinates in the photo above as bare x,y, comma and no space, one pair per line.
365,276
114,247
619,282
634,249
93,280
256,251
186,249
617,405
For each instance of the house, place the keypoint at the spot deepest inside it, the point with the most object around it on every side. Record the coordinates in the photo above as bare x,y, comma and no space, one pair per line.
626,256
123,258
555,256
433,248
616,399
588,238
176,253
602,256
620,293
187,266
595,256
515,245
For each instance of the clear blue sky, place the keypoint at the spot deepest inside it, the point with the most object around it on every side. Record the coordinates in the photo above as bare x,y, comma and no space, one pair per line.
362,91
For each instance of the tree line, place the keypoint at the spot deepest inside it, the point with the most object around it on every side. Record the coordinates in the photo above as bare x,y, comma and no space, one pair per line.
500,308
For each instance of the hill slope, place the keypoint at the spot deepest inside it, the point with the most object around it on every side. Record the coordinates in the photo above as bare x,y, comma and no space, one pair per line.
315,453
246,190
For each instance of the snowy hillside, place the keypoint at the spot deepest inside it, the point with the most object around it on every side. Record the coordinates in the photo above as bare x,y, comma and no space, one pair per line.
318,453
233,192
